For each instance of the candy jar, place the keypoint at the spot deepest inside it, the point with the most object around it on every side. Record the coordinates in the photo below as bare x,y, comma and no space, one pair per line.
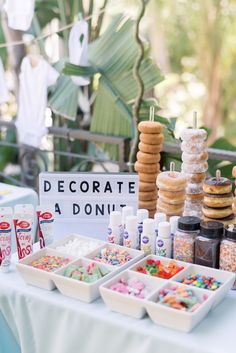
188,229
228,250
207,244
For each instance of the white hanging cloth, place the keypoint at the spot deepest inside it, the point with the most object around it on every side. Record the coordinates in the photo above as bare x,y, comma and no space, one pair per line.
4,95
78,49
34,81
20,13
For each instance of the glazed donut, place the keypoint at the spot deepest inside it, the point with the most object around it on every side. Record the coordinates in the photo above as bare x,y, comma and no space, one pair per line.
234,209
151,139
150,127
171,181
169,207
196,147
193,168
146,168
142,186
147,178
234,171
195,197
169,213
193,135
147,158
194,157
215,186
143,147
150,205
220,200
194,188
147,195
217,213
152,213
196,177
174,198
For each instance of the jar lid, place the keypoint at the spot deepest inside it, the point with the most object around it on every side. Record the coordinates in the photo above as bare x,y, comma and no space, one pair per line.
212,229
189,223
230,231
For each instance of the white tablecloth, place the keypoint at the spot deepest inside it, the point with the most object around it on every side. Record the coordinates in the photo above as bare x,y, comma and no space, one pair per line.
47,322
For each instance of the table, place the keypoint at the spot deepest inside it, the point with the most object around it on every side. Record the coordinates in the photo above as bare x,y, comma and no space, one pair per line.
41,321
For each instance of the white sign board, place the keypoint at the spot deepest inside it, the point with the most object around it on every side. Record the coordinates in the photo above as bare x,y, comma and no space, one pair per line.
83,201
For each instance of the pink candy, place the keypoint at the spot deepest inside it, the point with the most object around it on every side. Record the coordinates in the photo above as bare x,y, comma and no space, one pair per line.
132,287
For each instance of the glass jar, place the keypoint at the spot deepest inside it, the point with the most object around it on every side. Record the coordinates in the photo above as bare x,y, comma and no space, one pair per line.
184,239
207,244
228,250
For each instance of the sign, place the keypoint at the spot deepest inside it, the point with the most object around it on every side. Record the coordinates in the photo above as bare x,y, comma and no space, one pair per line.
85,200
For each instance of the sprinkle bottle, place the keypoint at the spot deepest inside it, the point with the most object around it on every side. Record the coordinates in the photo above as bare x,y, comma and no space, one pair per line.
115,229
173,228
148,236
228,250
126,211
184,240
142,214
159,217
163,241
130,239
207,244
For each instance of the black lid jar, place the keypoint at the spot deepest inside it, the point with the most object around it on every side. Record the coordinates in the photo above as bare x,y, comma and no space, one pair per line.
228,250
189,224
207,245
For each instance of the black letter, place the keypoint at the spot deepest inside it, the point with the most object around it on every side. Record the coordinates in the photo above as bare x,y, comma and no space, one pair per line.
60,185
131,187
47,186
57,208
108,187
120,183
90,209
96,186
72,190
100,209
81,186
76,208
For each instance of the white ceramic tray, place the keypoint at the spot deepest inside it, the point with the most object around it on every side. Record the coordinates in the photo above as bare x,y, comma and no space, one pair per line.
34,276
126,304
76,289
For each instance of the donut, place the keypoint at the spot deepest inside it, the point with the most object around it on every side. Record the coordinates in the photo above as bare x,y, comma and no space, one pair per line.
169,207
217,186
169,213
196,147
171,181
150,205
217,213
152,213
234,209
193,135
148,158
142,186
194,188
193,168
196,177
143,147
150,127
195,197
194,204
193,213
151,139
219,200
146,168
234,171
147,195
194,157
147,178
174,198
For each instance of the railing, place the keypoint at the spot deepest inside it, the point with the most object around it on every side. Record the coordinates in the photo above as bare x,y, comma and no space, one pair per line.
32,161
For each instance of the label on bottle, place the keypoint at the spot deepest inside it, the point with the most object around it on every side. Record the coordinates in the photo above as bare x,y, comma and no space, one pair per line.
115,234
163,247
24,239
5,245
130,239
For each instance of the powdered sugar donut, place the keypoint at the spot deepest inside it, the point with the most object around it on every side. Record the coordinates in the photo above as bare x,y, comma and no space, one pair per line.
169,207
194,167
195,197
194,188
196,147
175,198
194,157
172,181
196,177
193,135
234,171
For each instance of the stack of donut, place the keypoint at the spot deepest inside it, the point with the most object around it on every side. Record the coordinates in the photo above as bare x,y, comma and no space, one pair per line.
147,165
234,202
194,157
218,198
171,193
